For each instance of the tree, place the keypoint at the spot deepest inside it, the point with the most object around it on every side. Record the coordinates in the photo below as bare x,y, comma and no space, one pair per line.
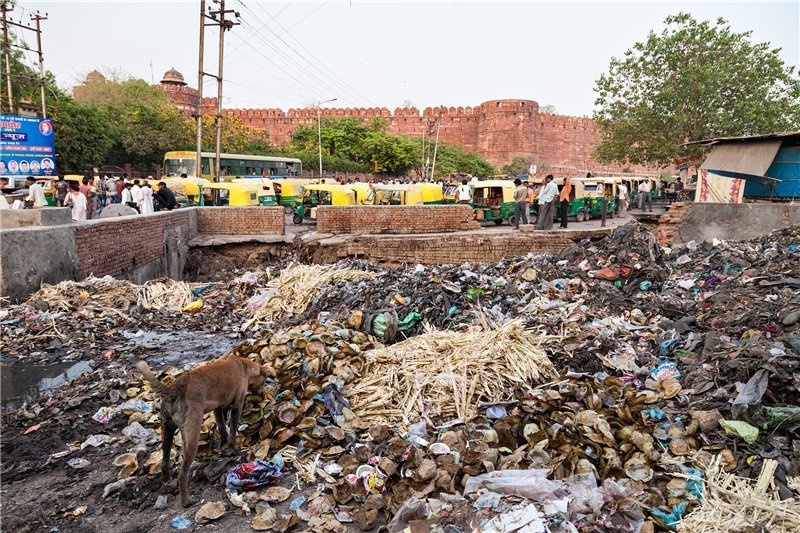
82,137
518,166
237,138
694,80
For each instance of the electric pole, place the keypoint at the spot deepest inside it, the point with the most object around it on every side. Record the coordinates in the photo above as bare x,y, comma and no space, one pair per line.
4,7
224,25
37,18
198,169
436,146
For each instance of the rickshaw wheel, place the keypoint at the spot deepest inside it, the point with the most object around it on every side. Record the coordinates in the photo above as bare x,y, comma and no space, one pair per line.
287,209
580,216
499,222
297,219
533,218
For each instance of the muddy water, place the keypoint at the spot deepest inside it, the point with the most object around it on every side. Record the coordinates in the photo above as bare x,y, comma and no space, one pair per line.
21,382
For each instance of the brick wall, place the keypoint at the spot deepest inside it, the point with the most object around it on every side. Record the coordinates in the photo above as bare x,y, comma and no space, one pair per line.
455,249
668,222
117,245
499,130
240,220
395,219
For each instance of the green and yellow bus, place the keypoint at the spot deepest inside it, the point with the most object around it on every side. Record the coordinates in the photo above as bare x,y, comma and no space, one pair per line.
231,165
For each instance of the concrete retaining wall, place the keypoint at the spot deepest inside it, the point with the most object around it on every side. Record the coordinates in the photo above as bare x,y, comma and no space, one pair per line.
135,247
395,219
26,218
704,222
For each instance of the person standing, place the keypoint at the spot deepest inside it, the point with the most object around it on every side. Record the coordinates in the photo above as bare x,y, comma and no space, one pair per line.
77,200
62,189
464,193
101,192
146,206
127,196
565,197
35,192
645,192
111,190
547,197
370,199
624,199
136,192
120,188
521,206
87,190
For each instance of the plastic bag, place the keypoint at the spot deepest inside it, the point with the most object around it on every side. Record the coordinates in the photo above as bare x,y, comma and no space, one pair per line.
740,429
412,509
751,392
531,484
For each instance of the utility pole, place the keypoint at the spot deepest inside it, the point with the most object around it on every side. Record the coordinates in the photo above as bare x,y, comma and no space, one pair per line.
224,25
198,169
38,18
436,146
4,7
319,131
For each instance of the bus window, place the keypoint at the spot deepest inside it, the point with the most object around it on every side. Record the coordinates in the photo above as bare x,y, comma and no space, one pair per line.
206,163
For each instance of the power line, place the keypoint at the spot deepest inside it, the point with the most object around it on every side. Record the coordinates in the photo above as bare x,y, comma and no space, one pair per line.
304,18
284,55
333,75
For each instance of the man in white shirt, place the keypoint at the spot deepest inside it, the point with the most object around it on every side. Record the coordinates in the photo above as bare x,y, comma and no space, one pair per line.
645,193
136,193
127,196
35,192
547,197
464,193
622,194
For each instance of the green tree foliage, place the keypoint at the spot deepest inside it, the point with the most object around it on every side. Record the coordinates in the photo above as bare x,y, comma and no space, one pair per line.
237,138
518,166
82,138
694,80
350,145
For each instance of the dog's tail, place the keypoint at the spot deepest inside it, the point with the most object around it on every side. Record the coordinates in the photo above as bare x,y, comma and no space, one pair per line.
144,368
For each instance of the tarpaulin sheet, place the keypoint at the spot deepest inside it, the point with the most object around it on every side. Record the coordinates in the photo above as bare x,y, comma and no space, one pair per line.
752,157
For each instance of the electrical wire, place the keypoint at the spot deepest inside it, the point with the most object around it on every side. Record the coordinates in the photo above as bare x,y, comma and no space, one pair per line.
323,79
333,75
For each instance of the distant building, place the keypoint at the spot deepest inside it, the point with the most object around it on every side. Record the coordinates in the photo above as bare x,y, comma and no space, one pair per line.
184,97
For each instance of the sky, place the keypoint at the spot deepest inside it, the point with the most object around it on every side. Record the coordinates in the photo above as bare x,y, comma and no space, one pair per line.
383,53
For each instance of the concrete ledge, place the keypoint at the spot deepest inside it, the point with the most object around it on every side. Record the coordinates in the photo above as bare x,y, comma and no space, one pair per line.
200,241
40,216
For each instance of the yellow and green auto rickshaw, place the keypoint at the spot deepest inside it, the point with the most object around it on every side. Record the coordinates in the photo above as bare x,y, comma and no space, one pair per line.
288,190
493,200
232,194
361,190
263,187
432,193
321,194
186,190
402,194
578,204
450,193
597,188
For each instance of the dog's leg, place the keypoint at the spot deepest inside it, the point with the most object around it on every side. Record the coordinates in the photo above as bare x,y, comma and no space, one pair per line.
236,414
219,415
191,434
167,435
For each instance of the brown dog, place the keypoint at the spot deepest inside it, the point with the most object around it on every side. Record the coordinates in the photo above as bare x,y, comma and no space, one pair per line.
216,387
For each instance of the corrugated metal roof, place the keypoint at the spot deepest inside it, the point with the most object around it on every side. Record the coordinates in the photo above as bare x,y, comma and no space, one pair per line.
777,135
751,158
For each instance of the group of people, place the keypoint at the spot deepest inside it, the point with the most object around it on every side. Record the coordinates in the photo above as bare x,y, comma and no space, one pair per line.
548,196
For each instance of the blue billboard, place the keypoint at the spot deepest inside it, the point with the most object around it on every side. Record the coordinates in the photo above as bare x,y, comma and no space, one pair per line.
26,147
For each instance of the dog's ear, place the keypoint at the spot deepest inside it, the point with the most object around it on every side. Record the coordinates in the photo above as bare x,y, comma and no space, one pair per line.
267,371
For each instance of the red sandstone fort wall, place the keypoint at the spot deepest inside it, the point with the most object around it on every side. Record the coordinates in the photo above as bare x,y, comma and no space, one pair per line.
499,130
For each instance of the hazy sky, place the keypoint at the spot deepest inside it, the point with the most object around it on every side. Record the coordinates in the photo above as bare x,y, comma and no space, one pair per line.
381,53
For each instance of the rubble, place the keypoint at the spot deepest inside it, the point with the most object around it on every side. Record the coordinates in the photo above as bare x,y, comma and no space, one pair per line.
616,386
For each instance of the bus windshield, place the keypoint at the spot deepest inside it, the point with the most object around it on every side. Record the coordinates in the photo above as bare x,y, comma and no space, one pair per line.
177,167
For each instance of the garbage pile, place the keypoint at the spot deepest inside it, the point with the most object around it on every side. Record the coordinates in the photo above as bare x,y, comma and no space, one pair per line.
617,386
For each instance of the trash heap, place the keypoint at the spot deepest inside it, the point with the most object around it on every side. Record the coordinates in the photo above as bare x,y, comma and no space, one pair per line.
617,386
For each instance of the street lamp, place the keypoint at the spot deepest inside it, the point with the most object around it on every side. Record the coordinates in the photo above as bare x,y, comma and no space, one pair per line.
319,131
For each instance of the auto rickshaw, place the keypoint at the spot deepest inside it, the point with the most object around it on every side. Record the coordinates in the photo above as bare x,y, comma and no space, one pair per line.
432,193
186,190
493,200
596,188
321,194
361,189
263,187
233,194
403,194
288,190
450,193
